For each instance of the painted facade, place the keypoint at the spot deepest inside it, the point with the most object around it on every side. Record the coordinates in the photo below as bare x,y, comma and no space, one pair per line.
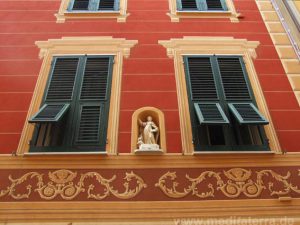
148,41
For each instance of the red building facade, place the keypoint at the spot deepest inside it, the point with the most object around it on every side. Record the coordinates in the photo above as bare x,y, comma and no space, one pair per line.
148,41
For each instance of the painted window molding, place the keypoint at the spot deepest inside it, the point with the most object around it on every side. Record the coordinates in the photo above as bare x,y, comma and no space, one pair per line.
117,47
65,12
228,11
187,46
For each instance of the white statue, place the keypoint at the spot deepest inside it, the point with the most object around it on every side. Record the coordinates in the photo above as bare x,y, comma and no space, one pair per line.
149,134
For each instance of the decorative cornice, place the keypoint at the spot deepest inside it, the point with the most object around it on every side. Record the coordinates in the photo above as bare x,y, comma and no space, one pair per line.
88,45
203,45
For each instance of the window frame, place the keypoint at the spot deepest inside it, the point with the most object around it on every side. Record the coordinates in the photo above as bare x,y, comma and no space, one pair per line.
76,104
95,45
231,12
177,48
221,99
64,12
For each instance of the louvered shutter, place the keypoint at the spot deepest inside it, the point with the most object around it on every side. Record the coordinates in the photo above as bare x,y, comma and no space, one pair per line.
50,113
94,101
61,85
79,5
216,5
89,125
60,91
233,79
247,113
210,113
202,82
108,5
204,92
188,5
95,78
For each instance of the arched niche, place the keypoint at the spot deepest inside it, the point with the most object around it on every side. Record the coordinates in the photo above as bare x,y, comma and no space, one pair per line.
158,118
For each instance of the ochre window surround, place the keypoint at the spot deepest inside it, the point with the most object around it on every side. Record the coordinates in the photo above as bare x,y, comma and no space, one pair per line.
64,14
118,47
178,48
231,13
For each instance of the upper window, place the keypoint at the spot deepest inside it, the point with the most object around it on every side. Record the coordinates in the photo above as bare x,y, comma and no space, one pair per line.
94,5
73,115
85,9
223,110
202,9
201,5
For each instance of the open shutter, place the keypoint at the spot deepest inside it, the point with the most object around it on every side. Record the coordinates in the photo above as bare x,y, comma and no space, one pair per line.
214,5
189,5
61,85
233,79
202,81
80,5
210,113
50,113
247,113
107,5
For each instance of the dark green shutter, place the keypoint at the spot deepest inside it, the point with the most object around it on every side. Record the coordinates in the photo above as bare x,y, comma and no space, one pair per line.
95,78
210,113
61,85
80,5
247,113
89,125
108,5
94,102
201,78
214,5
189,5
50,113
233,79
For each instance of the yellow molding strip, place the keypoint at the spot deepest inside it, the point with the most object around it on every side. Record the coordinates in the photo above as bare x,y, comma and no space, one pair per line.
149,161
146,211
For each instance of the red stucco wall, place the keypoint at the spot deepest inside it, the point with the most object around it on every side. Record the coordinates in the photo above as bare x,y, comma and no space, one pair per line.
148,75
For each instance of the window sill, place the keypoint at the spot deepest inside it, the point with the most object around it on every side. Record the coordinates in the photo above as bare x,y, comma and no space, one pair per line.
61,18
233,16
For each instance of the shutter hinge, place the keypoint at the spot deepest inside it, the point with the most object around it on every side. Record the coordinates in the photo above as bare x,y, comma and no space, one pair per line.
106,141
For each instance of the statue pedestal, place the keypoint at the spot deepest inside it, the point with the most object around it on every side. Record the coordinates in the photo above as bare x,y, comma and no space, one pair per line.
149,149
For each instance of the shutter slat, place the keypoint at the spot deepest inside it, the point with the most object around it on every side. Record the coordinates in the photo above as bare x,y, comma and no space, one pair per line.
107,5
214,5
247,113
210,113
202,79
89,124
62,81
233,79
81,5
189,4
50,113
94,86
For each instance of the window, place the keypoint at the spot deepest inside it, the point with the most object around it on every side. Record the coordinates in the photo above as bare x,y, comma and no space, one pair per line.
223,110
87,9
94,5
202,9
201,5
74,111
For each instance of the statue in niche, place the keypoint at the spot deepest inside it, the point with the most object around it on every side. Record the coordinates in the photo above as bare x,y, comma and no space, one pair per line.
149,134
